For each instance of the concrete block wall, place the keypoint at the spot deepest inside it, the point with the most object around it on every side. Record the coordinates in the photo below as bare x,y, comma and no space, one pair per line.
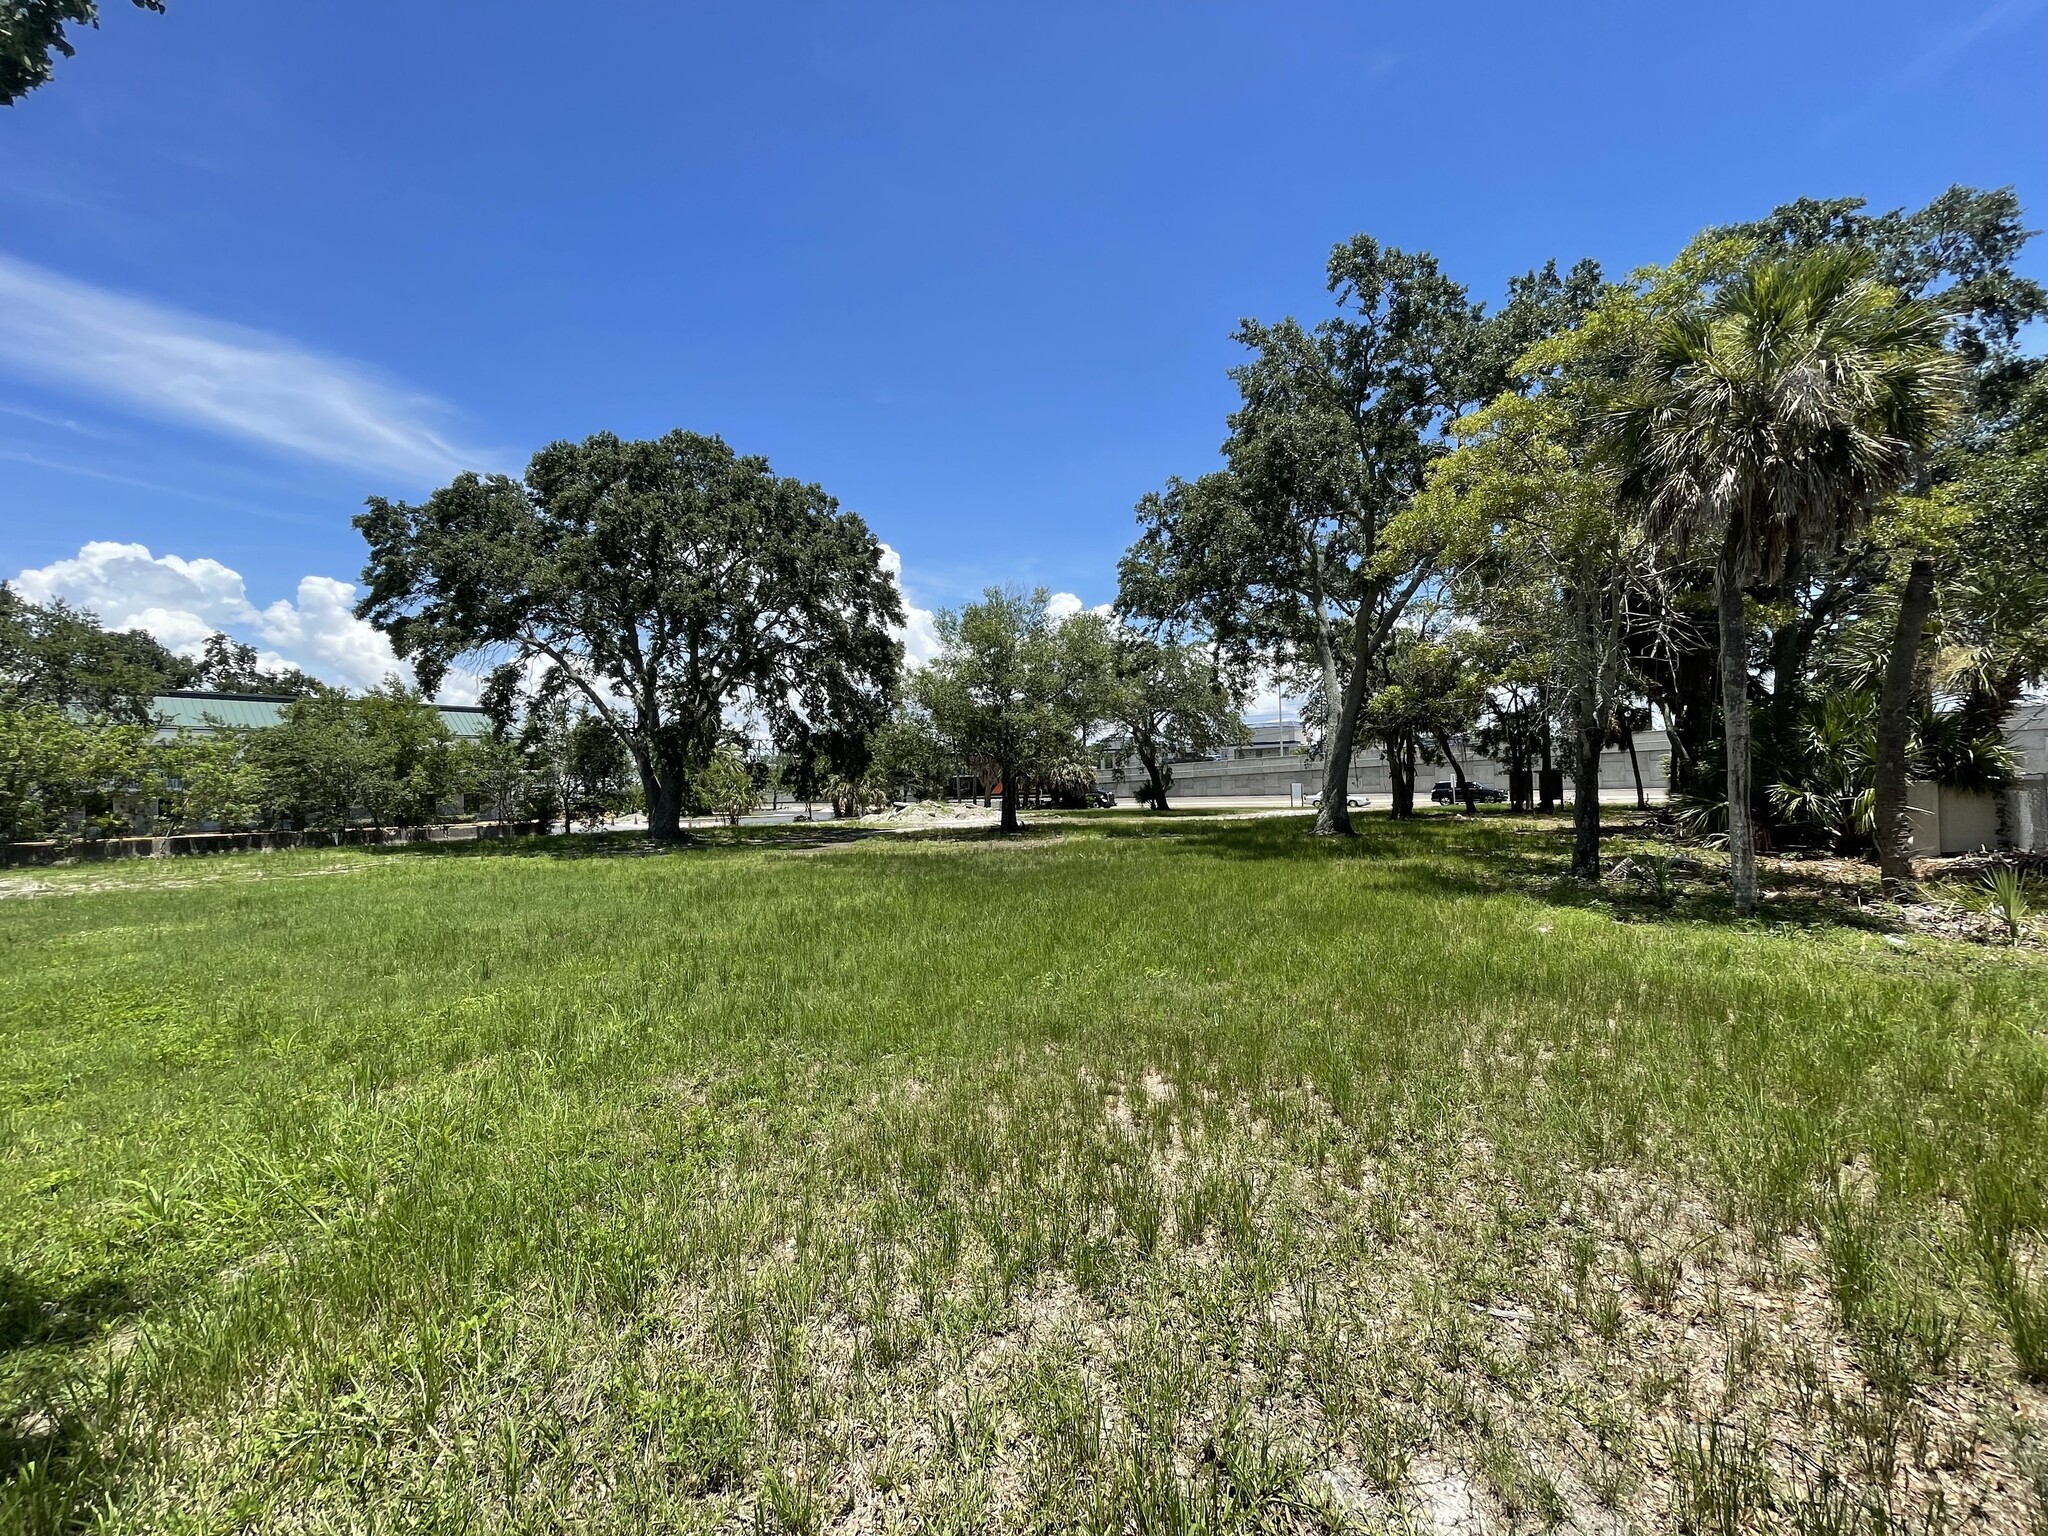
1247,778
1962,821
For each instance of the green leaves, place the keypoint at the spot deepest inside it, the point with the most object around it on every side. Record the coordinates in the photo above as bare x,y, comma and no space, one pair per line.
56,655
64,777
32,30
1011,688
1802,392
665,582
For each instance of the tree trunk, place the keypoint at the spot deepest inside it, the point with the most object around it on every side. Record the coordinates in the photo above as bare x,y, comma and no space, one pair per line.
1789,645
1688,704
1586,801
1333,816
1009,822
664,808
1464,785
1543,801
1635,767
1735,717
1895,726
1158,778
1443,745
1401,778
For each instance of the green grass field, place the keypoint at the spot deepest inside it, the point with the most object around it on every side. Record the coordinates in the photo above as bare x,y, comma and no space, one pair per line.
1153,1175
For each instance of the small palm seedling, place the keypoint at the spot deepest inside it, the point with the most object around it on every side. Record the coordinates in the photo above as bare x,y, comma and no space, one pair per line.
1662,890
2007,899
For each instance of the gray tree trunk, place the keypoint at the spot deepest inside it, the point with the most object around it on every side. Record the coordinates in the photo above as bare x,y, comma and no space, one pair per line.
1333,816
1009,820
664,808
1894,828
1586,801
1735,717
1158,787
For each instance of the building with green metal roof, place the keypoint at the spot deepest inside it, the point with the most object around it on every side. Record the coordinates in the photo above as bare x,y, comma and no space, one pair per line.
204,712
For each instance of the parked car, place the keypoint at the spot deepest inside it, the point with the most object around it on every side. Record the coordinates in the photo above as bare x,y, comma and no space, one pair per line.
1070,799
1354,802
1445,792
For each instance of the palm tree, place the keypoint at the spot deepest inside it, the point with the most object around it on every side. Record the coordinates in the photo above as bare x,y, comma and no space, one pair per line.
1776,415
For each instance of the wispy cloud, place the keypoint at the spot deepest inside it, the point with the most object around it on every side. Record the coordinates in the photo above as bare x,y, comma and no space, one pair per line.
183,493
1951,44
223,378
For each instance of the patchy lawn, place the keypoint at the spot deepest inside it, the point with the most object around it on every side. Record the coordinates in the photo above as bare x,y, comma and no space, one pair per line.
1153,1174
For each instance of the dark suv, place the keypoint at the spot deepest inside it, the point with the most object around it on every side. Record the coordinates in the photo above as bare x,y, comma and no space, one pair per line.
1445,792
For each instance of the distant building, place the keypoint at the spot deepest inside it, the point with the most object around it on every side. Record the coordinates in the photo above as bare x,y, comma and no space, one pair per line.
201,713
1274,762
1272,738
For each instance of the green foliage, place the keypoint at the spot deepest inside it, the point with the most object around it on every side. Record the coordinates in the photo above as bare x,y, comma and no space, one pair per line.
725,786
1302,554
1779,411
212,779
1425,694
1765,423
64,778
2009,899
579,767
1958,250
662,583
1162,701
1010,690
385,756
495,771
227,666
909,757
694,1429
1835,794
32,30
60,656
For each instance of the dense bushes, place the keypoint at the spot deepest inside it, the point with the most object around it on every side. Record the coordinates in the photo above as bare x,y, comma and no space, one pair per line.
382,759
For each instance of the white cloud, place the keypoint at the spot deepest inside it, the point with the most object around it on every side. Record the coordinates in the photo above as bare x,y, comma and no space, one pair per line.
225,378
181,602
1062,606
920,632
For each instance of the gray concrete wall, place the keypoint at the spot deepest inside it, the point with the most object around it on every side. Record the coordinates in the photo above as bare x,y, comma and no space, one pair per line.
1964,821
1245,778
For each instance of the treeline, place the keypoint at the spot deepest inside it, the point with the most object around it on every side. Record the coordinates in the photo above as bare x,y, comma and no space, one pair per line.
1790,490
62,657
82,757
1787,493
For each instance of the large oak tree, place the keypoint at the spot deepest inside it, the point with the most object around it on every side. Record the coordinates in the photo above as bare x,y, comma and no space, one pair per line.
666,582
1284,556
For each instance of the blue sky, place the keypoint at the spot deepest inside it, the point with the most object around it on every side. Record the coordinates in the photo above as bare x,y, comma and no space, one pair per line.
973,268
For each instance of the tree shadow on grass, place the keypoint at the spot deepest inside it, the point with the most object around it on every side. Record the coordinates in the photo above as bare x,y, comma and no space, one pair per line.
33,1316
51,1463
1501,853
1679,883
578,846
